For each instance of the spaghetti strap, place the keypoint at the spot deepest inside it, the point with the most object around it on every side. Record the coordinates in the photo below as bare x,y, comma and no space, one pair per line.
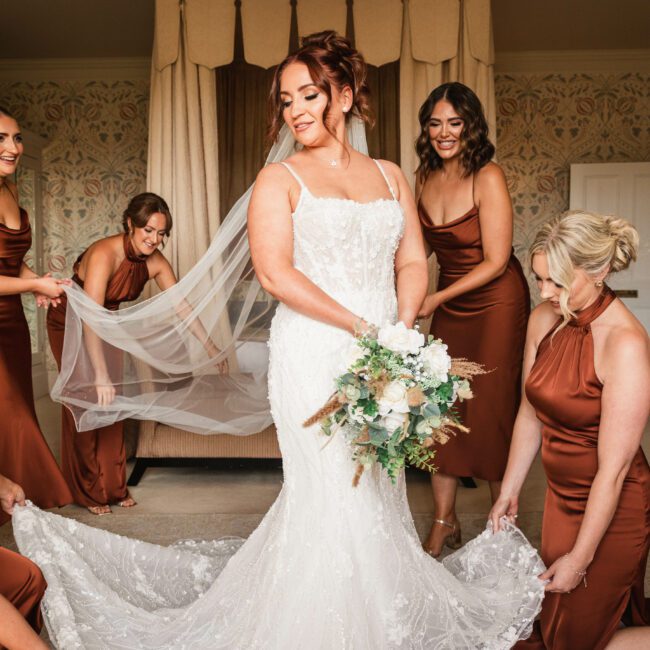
383,173
293,173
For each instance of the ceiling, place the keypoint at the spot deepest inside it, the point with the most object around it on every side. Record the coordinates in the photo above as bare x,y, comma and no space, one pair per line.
124,28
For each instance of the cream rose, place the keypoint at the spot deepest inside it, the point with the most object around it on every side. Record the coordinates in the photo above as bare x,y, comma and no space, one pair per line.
394,398
393,420
436,361
400,339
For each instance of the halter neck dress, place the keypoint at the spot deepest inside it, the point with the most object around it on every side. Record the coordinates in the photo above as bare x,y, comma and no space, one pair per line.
94,462
566,393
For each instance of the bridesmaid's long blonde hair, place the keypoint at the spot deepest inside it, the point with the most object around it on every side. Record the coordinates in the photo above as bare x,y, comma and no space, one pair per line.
584,240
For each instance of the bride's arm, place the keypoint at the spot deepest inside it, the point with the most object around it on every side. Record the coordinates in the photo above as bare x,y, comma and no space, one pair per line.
411,260
270,233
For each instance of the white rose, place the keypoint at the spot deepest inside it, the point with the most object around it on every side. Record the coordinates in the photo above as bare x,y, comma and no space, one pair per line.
393,420
436,361
400,339
394,398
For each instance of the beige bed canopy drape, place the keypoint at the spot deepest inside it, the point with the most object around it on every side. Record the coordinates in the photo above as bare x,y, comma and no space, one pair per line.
433,40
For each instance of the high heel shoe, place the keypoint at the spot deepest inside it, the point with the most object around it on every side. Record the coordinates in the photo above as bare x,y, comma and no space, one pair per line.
452,539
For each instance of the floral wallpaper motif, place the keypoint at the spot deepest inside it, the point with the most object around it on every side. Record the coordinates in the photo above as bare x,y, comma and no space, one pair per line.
546,122
95,159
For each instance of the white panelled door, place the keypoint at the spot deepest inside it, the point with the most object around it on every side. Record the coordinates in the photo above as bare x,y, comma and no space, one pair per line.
621,189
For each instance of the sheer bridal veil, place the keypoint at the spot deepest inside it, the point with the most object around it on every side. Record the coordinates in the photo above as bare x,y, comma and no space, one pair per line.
156,350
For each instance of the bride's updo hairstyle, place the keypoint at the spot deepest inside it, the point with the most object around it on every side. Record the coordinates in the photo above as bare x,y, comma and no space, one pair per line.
587,241
331,61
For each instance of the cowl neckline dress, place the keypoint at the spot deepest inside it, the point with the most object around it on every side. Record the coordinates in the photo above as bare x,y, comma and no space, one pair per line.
25,457
486,325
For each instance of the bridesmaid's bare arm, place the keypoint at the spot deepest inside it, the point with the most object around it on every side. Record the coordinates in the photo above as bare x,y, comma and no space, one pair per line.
526,435
625,406
411,270
495,216
270,233
161,271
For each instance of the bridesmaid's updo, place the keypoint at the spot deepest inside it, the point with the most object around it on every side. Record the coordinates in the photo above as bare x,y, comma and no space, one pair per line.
140,209
584,240
331,61
477,149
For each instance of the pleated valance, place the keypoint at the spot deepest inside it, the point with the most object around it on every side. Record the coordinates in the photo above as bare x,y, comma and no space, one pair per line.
210,27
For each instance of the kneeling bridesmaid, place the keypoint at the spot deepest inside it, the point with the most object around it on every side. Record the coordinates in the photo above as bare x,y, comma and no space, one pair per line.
587,370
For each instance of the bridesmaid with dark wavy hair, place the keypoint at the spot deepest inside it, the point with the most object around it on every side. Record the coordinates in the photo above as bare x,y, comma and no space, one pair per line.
481,306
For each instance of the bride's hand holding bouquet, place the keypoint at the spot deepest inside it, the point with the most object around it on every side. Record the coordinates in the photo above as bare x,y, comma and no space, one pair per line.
396,399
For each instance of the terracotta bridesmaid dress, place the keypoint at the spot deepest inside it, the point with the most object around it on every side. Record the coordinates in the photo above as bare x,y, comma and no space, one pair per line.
25,457
486,325
565,391
23,585
94,462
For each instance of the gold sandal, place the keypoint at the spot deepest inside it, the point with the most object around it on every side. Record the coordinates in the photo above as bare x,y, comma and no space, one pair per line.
452,540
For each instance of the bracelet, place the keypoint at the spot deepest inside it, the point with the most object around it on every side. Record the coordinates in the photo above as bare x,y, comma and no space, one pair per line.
582,574
356,328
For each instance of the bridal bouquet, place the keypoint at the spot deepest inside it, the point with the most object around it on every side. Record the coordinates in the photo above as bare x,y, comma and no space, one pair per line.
395,402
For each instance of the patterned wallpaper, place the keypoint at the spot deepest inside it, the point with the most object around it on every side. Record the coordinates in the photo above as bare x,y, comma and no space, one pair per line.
94,161
97,143
546,122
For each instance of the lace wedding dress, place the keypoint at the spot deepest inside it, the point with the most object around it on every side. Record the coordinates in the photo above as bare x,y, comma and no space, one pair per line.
330,566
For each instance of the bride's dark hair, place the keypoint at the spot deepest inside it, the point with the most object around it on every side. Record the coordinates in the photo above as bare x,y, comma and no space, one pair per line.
331,61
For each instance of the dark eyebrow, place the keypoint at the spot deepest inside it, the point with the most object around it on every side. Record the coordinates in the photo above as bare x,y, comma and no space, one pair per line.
284,92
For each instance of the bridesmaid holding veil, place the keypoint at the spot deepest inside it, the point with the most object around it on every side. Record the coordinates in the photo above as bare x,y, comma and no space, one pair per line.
111,271
25,457
481,305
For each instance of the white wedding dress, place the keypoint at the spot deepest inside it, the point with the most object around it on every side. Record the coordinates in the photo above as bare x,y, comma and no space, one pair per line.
331,566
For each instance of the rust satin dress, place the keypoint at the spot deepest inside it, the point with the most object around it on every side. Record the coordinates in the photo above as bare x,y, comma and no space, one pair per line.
565,391
25,457
23,585
94,462
486,325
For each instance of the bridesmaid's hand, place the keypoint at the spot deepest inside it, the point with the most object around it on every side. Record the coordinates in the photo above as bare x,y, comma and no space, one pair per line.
105,391
564,575
48,289
504,507
10,495
222,366
430,304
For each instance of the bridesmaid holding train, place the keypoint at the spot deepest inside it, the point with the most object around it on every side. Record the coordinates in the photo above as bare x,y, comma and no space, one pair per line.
25,457
587,380
481,306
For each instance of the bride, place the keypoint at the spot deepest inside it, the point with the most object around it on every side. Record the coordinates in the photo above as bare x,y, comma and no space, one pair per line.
333,234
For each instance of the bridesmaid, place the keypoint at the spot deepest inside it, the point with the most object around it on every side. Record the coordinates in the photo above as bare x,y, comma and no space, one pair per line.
24,455
22,586
112,270
587,369
481,306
